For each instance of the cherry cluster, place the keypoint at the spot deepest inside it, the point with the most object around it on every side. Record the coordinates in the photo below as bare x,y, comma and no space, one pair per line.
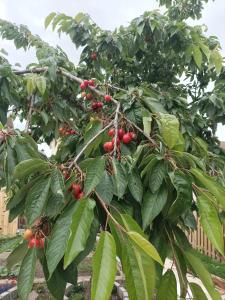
76,189
122,136
66,131
96,105
34,241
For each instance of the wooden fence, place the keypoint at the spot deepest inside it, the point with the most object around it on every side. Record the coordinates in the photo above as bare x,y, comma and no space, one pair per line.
199,241
6,228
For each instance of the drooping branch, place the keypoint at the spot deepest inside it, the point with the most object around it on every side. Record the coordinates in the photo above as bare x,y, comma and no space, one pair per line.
93,89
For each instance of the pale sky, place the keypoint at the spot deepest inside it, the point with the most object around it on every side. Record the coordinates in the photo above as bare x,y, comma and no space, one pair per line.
106,13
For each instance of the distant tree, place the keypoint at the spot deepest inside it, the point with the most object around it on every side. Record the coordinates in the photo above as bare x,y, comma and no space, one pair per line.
137,153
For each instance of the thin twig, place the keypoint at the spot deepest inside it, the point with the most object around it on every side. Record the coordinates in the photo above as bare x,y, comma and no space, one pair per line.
108,213
88,144
116,128
29,115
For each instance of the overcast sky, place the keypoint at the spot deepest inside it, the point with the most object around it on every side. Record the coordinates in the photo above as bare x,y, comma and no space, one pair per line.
107,13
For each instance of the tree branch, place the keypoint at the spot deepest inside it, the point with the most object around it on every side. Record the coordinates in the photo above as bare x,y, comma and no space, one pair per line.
29,115
93,89
88,144
116,128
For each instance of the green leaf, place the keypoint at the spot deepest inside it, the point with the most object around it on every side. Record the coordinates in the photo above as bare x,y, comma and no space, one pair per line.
211,185
217,60
26,275
197,292
197,54
120,178
168,287
135,185
31,85
156,176
203,274
59,238
169,129
104,267
56,283
184,195
17,255
36,199
105,188
210,222
49,18
139,272
41,84
80,229
57,184
90,241
153,205
29,166
9,243
144,245
147,121
94,174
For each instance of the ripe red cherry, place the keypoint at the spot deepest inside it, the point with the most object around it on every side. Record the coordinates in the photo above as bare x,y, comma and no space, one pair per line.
40,243
108,146
94,105
117,142
133,135
33,242
76,188
80,196
72,131
100,104
66,175
111,132
61,130
91,82
89,96
82,86
121,133
127,138
107,98
86,83
94,56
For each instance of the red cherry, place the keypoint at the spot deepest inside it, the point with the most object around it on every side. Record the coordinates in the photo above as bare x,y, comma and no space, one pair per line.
33,242
127,138
76,188
89,96
66,175
61,130
111,132
108,146
117,142
40,243
91,82
107,98
72,131
133,135
121,133
94,105
67,132
100,104
82,86
86,83
83,94
80,196
94,56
